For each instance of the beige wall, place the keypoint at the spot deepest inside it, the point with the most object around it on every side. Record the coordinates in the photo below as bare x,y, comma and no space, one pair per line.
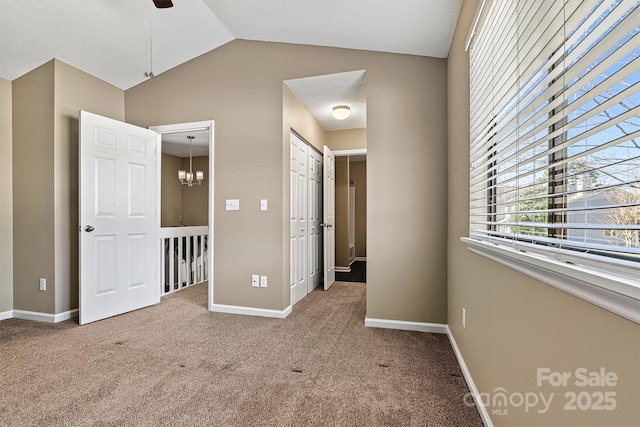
171,191
33,190
516,324
240,86
297,117
75,90
6,199
347,139
195,200
358,174
180,204
342,212
46,105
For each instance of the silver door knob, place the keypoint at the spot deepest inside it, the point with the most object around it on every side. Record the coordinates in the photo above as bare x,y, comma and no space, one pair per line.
89,229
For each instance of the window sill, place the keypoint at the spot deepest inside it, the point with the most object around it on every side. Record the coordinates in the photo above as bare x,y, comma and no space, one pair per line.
588,284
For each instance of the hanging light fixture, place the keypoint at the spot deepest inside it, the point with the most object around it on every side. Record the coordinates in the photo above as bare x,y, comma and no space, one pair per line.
187,178
341,112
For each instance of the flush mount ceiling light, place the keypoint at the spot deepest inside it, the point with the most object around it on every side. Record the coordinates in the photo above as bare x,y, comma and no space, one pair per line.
186,178
341,112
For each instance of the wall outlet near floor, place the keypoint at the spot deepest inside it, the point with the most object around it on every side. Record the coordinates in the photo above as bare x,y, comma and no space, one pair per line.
464,318
43,284
263,281
255,280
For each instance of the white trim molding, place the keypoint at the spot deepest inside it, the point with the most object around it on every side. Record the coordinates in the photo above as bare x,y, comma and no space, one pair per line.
343,269
436,328
576,280
6,315
361,258
45,317
351,152
250,311
484,414
66,315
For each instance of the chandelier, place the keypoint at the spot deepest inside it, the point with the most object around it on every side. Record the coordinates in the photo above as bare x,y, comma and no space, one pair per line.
186,178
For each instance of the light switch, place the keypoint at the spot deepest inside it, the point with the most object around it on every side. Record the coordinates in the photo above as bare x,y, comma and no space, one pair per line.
263,204
232,205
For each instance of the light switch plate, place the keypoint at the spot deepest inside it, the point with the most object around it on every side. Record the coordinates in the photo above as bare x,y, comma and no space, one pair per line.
263,204
232,204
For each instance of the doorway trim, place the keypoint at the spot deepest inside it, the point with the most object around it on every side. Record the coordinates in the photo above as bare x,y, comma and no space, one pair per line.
352,152
190,127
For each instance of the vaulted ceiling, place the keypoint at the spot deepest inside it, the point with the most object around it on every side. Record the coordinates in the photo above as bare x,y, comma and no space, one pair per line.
119,41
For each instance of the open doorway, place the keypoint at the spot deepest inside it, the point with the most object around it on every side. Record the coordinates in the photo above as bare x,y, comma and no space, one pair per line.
186,206
310,105
351,215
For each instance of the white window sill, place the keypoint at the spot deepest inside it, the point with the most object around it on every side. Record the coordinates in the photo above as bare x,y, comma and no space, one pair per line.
594,286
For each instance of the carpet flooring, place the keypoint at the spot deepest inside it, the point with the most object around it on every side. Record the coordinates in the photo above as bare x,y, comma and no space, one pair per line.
177,364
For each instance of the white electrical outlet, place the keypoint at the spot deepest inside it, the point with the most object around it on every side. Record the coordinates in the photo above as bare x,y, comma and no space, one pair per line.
255,280
232,204
464,318
43,284
263,281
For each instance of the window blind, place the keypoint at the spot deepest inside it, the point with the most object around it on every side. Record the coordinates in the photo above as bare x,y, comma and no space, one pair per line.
555,128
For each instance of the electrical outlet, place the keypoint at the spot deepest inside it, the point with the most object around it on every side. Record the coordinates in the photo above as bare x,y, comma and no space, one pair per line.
464,318
232,204
263,281
43,284
255,280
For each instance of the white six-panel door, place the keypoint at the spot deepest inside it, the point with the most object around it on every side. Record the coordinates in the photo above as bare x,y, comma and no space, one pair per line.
118,217
298,219
329,198
315,219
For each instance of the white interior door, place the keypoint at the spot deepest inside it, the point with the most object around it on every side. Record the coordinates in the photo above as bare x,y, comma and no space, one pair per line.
298,219
315,219
119,246
329,208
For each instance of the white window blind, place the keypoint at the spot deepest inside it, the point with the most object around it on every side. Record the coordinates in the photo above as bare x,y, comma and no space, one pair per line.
555,130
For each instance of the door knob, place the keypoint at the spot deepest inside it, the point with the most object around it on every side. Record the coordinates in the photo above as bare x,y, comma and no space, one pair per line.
89,229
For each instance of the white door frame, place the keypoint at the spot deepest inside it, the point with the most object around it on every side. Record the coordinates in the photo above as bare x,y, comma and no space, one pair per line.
352,152
187,127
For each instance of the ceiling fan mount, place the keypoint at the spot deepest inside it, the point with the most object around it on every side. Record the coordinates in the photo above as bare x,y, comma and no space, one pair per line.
162,4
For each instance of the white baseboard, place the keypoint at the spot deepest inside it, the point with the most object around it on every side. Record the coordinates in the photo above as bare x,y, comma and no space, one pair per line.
343,269
361,258
34,315
437,328
251,311
45,317
66,315
484,414
6,315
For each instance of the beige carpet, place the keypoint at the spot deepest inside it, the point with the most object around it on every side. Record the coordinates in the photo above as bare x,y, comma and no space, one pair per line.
177,364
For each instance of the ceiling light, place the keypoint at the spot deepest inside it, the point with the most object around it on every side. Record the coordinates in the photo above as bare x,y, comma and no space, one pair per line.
341,112
186,178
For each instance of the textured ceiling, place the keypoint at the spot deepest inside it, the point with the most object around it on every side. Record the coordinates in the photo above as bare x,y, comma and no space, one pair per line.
109,39
321,93
119,41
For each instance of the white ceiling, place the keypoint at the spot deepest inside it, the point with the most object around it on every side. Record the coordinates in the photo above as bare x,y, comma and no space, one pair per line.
119,40
321,93
177,144
109,39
